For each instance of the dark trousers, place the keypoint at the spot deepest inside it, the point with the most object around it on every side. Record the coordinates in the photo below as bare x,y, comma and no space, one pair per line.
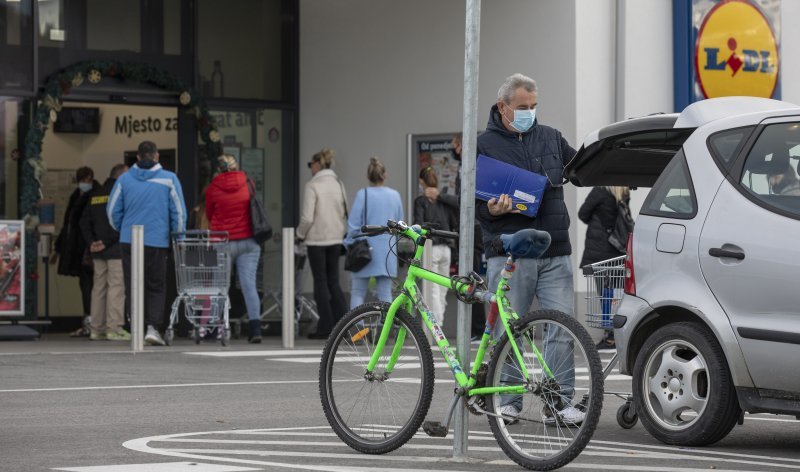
86,282
331,305
155,286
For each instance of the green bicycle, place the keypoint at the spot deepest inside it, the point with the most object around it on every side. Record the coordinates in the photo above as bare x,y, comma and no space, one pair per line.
542,389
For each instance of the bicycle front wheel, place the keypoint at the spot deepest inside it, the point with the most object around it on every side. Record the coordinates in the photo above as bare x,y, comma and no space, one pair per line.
550,420
379,411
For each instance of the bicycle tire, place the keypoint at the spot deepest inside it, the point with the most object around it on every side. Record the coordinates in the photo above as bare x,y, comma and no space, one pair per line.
541,438
345,389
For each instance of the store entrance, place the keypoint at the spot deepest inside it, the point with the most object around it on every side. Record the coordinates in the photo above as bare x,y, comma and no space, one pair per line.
98,136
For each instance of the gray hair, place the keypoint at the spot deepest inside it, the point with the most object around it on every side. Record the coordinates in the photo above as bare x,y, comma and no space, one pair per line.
512,83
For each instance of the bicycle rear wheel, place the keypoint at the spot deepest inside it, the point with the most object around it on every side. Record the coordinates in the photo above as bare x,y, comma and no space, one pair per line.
549,424
378,412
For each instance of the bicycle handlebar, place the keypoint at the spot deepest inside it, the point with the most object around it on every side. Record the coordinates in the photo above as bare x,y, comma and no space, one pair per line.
400,227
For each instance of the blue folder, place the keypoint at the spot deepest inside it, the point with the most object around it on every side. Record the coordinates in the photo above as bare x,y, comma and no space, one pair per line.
494,178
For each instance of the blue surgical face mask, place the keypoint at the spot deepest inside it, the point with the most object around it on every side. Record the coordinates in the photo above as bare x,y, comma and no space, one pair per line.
85,186
523,120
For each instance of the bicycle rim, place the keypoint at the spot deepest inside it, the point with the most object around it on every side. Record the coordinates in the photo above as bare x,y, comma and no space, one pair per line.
546,434
375,414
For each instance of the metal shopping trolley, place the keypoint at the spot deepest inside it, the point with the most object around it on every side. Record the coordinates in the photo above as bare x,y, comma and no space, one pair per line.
203,270
605,284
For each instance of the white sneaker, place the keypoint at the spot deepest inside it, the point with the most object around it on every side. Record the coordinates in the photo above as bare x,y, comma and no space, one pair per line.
153,338
570,416
510,414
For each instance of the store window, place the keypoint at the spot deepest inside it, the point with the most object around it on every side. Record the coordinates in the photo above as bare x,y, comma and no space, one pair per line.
10,112
103,33
16,45
172,27
239,49
255,138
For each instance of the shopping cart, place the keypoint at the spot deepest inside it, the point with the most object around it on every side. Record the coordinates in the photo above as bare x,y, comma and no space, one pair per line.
305,308
203,270
605,284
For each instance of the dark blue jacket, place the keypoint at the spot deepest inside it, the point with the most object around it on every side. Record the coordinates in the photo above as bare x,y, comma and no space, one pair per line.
542,150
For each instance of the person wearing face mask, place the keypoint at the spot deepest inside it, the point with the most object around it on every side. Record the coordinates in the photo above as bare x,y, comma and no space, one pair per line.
72,250
515,136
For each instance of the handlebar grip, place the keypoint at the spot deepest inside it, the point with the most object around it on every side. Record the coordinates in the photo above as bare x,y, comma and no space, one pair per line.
443,234
373,229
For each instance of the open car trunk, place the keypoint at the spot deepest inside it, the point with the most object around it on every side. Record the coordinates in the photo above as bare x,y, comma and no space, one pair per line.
628,153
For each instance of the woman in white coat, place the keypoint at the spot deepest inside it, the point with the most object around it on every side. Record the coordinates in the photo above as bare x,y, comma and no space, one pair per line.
322,224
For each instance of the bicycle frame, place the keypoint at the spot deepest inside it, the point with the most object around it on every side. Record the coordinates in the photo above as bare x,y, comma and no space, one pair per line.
410,298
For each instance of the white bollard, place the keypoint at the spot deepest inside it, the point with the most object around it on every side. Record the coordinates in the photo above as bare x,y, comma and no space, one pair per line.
288,289
137,288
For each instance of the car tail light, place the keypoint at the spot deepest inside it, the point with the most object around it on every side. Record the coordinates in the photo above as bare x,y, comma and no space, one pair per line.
630,278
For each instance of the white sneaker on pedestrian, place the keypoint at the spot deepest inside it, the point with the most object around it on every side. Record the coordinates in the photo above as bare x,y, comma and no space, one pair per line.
570,416
510,413
153,338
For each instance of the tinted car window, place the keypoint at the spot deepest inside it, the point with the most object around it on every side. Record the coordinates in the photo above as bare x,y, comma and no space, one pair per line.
672,195
770,172
725,144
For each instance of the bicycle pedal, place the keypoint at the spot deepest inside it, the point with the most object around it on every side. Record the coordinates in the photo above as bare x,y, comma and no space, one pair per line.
434,429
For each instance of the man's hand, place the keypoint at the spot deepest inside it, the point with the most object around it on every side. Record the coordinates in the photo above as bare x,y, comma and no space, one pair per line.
97,246
432,193
501,206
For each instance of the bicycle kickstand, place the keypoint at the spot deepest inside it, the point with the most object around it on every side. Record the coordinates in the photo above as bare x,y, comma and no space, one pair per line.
435,428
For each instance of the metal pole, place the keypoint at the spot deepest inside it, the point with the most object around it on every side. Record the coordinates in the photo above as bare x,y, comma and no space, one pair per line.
466,230
137,288
288,289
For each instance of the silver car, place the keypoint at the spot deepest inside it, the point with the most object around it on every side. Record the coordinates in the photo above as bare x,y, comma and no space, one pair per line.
709,326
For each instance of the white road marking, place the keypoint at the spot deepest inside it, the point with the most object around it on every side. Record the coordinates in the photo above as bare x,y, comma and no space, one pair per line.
305,448
120,387
274,352
161,467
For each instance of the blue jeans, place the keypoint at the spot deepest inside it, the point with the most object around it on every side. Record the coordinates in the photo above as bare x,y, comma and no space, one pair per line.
358,292
550,281
245,253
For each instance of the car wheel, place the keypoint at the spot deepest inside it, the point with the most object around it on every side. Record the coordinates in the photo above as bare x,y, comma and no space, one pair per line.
682,386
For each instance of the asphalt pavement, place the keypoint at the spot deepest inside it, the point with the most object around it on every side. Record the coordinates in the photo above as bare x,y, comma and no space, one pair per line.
71,404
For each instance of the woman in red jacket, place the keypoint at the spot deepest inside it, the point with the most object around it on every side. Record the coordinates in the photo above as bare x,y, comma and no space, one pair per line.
228,209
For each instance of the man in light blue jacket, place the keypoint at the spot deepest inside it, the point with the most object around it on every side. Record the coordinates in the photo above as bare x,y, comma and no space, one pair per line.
150,196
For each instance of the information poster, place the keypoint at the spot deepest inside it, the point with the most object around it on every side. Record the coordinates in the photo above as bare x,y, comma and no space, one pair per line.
435,150
252,162
57,186
12,267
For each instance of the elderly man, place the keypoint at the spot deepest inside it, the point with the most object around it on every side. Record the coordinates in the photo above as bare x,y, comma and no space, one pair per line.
151,196
514,135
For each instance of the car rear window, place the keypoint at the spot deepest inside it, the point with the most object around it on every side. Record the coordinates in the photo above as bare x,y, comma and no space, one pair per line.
672,195
725,145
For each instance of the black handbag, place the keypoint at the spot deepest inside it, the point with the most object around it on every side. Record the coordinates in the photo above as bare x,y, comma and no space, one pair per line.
262,230
359,254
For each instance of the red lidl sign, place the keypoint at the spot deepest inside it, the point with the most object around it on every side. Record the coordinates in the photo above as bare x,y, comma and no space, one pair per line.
736,52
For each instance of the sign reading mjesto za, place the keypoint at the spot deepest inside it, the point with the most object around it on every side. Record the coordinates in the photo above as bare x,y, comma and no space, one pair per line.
736,49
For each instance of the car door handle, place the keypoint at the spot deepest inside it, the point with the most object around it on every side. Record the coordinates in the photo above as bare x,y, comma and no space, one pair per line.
719,252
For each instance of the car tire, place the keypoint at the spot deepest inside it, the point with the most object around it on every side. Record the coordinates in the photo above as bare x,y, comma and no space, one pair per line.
682,387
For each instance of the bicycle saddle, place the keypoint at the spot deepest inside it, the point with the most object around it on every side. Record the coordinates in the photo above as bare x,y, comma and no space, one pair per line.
526,243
